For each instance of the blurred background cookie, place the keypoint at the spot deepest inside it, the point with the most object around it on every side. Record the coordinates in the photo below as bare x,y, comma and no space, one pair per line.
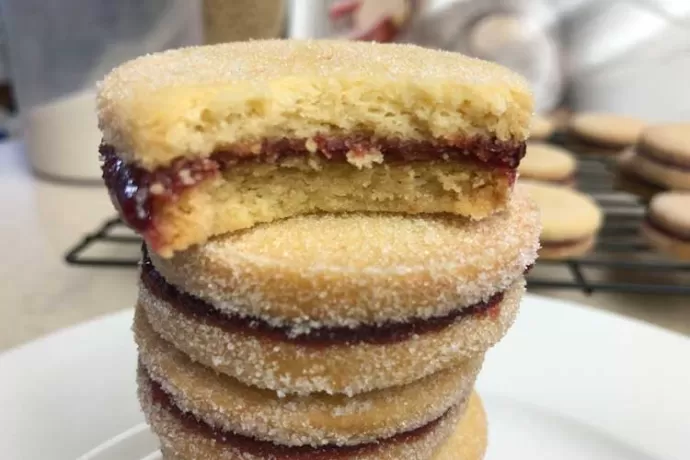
570,220
548,163
667,224
602,133
662,156
542,127
628,180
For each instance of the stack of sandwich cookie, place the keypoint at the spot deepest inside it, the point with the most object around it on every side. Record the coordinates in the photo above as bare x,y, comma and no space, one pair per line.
332,244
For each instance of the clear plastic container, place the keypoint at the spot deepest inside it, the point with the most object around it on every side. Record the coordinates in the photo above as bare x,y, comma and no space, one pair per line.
58,49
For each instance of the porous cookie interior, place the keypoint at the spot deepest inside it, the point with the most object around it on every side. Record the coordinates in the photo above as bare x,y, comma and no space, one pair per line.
246,195
191,101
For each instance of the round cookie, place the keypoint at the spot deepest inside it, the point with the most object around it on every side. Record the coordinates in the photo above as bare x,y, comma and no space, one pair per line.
628,180
322,270
667,225
316,419
605,133
541,128
570,220
548,163
469,440
183,437
663,156
293,367
670,142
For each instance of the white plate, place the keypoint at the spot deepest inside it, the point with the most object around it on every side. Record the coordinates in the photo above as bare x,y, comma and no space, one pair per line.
568,382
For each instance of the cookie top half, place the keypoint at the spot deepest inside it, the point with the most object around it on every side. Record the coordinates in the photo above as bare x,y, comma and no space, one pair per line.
191,101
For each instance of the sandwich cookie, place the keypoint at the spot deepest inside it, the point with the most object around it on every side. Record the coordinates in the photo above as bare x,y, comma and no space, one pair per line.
663,156
469,440
667,224
344,303
548,163
184,437
628,180
202,141
601,133
570,220
316,419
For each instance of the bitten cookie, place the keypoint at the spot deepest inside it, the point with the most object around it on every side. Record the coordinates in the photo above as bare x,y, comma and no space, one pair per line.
570,220
667,224
663,156
548,163
202,141
603,133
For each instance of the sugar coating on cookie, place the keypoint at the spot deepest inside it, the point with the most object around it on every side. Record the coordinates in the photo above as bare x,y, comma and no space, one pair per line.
606,130
549,163
293,366
570,219
315,419
184,437
469,440
320,270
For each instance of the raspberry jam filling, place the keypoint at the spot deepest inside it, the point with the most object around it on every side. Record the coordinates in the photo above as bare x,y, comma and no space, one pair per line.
267,449
138,193
664,230
383,333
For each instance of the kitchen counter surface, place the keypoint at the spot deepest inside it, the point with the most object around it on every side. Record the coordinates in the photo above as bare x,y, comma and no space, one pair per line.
40,293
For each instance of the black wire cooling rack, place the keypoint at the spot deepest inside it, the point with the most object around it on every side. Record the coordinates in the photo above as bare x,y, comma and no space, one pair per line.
621,261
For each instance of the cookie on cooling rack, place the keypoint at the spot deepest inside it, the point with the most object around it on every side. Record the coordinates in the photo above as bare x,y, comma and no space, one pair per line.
541,128
662,156
602,133
548,163
570,220
667,224
627,179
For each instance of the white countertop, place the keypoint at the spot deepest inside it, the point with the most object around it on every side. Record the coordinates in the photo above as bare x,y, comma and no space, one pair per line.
40,293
